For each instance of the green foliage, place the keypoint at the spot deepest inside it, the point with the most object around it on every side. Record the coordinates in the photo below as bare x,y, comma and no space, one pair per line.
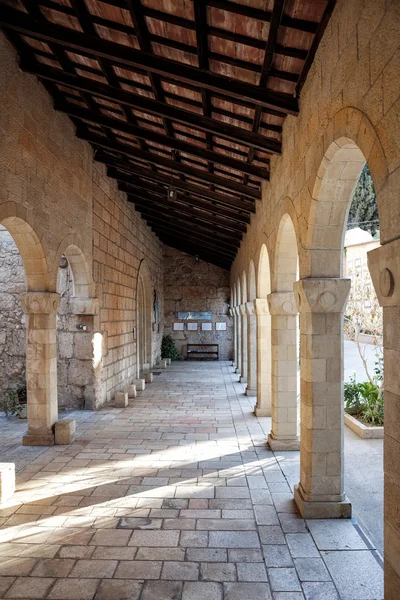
168,348
364,208
364,401
14,399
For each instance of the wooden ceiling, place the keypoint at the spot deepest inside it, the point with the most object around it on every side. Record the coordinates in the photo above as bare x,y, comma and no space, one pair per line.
183,94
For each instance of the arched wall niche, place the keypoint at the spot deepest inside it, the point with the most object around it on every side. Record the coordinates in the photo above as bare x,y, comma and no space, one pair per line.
286,256
144,308
263,273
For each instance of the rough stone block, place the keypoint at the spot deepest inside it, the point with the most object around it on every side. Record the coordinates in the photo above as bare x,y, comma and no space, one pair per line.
64,431
131,390
7,481
140,385
149,377
168,361
121,400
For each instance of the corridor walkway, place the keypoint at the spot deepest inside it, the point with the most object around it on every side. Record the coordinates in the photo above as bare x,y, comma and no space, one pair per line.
175,497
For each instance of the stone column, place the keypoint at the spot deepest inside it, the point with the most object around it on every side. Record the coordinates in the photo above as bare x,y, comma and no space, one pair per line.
251,389
243,323
320,493
233,316
41,366
263,405
285,426
238,340
384,266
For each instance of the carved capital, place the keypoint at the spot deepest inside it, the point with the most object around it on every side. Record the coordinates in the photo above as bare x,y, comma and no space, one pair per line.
282,303
236,310
250,309
321,295
384,266
261,306
40,303
242,310
84,306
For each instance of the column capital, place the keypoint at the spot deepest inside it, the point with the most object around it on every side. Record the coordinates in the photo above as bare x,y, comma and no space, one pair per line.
384,266
236,310
325,295
261,306
242,309
231,311
40,303
282,303
250,308
84,306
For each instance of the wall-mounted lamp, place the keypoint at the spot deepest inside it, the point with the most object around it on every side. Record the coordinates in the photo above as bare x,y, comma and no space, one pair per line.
81,327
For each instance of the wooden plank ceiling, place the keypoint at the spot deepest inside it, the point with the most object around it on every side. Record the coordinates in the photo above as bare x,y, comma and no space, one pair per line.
188,95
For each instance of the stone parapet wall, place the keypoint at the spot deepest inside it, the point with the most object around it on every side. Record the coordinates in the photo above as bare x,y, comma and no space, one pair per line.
191,285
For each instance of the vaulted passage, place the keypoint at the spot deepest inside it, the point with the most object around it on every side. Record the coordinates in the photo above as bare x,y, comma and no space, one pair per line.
175,496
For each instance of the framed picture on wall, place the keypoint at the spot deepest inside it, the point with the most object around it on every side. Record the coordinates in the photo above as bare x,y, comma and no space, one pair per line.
206,326
178,326
220,326
192,326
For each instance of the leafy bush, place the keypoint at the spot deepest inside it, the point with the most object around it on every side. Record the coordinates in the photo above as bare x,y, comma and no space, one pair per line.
364,401
14,399
168,348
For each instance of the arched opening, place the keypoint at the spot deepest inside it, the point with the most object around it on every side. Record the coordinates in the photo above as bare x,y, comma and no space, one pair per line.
263,317
251,389
243,322
144,307
238,329
79,378
322,301
285,350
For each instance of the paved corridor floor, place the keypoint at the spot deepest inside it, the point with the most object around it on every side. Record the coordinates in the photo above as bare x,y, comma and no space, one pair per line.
175,497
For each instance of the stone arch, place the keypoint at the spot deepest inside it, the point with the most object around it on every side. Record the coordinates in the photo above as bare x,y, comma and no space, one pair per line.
286,255
238,293
71,248
252,282
263,273
144,309
16,220
244,287
350,142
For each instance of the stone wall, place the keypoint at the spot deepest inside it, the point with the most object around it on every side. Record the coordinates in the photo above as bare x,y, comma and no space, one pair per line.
191,285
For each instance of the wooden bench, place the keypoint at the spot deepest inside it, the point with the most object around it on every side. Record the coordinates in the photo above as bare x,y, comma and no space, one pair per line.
194,351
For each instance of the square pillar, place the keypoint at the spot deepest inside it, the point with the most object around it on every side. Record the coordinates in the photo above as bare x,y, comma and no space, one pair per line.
238,340
320,493
263,405
243,323
384,266
251,389
41,366
284,411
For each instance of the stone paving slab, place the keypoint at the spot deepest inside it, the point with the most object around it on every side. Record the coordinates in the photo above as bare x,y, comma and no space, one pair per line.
175,497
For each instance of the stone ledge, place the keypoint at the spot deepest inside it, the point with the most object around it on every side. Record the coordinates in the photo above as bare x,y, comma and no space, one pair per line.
363,431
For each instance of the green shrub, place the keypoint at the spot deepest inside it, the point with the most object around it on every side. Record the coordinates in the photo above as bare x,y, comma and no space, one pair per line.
168,348
363,401
14,399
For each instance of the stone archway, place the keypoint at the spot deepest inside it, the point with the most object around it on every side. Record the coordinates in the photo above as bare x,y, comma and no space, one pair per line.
238,329
251,389
243,326
144,309
263,317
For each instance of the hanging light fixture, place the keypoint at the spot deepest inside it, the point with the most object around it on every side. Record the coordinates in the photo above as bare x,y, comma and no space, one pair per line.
171,191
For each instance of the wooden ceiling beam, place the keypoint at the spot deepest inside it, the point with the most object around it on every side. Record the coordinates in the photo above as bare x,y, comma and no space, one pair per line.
147,105
153,136
194,251
158,160
125,171
236,221
122,55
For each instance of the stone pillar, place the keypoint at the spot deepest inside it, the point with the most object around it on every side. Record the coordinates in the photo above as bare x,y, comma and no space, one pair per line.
233,316
320,493
243,323
251,389
263,405
384,266
41,366
238,340
285,426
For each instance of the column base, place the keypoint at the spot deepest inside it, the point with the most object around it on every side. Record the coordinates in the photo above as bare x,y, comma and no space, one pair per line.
243,379
237,370
40,439
280,445
262,412
250,392
321,510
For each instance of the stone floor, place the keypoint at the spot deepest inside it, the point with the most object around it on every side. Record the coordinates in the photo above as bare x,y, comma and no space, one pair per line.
175,497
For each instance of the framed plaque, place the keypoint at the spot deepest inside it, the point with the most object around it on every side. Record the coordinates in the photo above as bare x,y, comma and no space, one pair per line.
206,326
